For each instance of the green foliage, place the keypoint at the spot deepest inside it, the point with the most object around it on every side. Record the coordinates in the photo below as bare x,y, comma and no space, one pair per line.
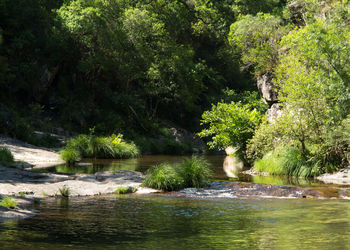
8,202
164,177
194,172
64,191
22,194
257,37
6,156
125,190
251,98
266,136
230,125
70,155
287,161
90,146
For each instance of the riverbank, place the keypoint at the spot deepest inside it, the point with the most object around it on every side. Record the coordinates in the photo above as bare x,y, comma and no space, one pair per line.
28,155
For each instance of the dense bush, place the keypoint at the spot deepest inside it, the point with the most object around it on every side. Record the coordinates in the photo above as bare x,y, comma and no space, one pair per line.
90,146
231,124
194,172
6,156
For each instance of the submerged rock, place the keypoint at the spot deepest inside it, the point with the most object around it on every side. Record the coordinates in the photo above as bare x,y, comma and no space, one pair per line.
237,190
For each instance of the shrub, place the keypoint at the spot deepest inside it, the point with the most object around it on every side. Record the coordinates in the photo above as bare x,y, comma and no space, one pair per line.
125,150
195,172
290,161
80,143
64,191
90,146
6,156
125,190
70,155
270,163
230,125
8,202
164,177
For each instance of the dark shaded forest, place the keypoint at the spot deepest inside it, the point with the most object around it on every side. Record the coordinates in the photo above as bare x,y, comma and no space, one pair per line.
118,65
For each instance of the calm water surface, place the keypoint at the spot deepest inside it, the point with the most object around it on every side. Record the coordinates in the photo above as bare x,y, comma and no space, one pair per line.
162,222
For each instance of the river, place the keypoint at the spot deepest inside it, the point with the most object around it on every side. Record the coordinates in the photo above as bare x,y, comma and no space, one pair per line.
159,221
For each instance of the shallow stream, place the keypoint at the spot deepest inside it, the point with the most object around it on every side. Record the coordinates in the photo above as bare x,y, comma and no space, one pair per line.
160,221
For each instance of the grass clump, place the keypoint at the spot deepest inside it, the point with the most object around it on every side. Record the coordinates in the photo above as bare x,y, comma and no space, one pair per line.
194,172
164,177
90,146
70,155
64,191
125,190
22,194
8,202
290,161
6,157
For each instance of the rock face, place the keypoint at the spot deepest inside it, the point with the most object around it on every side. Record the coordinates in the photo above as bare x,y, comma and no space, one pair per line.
184,136
297,13
274,112
267,89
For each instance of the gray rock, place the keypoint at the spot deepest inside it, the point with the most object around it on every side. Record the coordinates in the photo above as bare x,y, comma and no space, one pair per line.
274,112
267,89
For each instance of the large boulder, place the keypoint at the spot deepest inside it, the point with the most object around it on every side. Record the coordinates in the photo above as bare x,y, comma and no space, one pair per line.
267,89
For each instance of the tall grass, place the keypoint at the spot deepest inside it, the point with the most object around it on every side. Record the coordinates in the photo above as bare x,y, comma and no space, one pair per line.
194,172
89,146
6,157
70,155
289,161
164,177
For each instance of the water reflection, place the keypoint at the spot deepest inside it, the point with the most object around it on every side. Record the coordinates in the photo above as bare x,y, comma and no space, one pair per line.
233,166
